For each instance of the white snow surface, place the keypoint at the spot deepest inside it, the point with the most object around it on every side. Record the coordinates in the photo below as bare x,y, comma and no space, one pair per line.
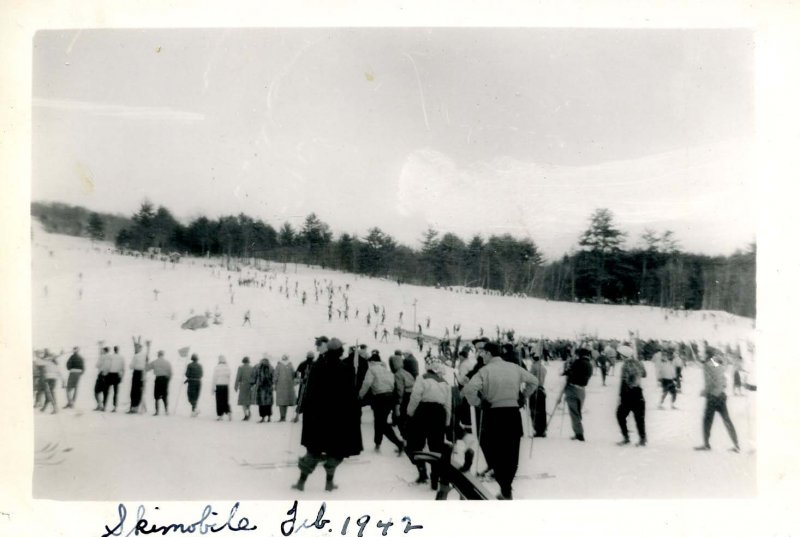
81,454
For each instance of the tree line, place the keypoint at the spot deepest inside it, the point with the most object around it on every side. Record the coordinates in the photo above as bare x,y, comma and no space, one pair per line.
600,269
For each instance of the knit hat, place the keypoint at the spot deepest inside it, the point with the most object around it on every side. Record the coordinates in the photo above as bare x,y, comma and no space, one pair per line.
334,344
320,339
310,354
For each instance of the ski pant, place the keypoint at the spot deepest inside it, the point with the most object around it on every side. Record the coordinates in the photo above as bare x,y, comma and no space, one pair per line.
193,392
538,410
604,373
499,440
72,387
112,381
161,391
427,426
99,386
223,406
308,463
401,419
631,400
668,387
574,396
381,407
50,394
137,382
678,377
714,404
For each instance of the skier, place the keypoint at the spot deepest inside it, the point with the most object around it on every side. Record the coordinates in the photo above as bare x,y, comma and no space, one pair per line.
716,400
75,367
51,376
429,409
242,384
578,373
116,370
665,372
103,363
138,365
163,373
385,335
246,318
194,374
631,398
497,387
379,381
284,386
538,400
221,380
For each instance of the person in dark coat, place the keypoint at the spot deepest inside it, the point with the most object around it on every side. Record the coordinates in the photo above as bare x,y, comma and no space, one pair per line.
578,373
263,385
301,376
76,368
538,401
331,415
194,373
243,385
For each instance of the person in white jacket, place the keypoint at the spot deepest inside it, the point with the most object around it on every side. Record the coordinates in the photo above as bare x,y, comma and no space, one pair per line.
429,413
380,382
222,379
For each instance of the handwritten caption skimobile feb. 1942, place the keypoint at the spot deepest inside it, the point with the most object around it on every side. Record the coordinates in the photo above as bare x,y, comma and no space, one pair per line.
210,521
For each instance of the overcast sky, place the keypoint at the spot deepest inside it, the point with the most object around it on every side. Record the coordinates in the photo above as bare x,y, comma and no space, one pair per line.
471,131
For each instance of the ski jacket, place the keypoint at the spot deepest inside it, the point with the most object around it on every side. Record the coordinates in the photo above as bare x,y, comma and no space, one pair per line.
222,375
116,364
579,372
498,384
665,368
430,388
194,371
51,371
75,363
161,367
103,363
715,379
403,383
378,380
632,373
139,361
539,371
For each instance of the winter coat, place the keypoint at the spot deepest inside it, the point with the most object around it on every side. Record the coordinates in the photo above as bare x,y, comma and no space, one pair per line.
665,368
403,384
161,367
75,363
715,381
539,371
411,365
242,384
262,384
194,371
498,384
632,373
431,388
222,375
579,372
284,384
51,371
378,380
395,363
331,409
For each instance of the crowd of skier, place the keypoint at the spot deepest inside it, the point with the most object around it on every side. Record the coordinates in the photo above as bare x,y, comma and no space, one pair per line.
464,400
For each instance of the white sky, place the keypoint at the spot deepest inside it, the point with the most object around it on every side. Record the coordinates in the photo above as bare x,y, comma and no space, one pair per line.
467,130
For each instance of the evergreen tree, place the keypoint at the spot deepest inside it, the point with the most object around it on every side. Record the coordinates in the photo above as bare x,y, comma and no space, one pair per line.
603,240
96,227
